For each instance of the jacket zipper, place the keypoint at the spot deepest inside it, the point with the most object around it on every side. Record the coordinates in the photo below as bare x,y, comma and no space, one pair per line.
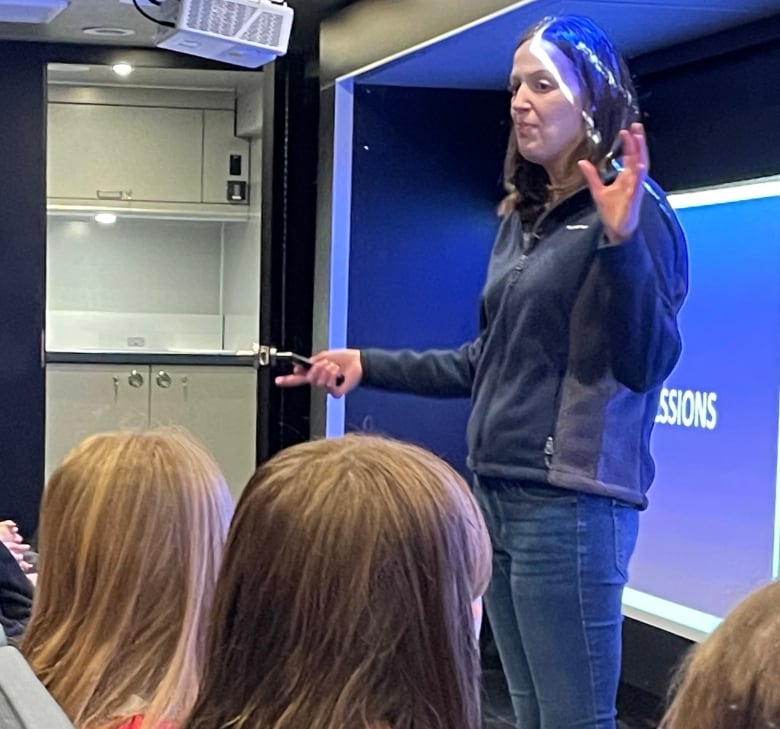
549,451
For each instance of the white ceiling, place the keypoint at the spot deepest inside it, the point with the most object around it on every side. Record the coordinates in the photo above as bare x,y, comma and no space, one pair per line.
479,55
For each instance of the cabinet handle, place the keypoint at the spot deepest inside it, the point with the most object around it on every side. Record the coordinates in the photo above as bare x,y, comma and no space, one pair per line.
136,379
114,194
185,385
116,388
163,379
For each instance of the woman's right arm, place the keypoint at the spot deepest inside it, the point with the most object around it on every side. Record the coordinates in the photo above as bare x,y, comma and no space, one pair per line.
436,372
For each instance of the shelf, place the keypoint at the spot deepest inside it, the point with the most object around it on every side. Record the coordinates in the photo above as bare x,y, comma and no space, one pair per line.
86,209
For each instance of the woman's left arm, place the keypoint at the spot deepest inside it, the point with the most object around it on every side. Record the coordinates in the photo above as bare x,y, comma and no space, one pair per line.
645,260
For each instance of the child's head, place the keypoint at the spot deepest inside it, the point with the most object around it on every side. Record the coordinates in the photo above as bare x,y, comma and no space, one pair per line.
732,680
131,536
345,599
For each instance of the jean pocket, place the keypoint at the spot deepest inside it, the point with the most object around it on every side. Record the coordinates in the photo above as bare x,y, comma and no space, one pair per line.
625,520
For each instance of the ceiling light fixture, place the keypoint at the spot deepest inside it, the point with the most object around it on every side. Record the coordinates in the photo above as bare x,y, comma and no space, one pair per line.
106,31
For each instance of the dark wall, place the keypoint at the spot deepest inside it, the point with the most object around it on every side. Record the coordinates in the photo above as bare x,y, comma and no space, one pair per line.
290,119
426,179
22,283
712,107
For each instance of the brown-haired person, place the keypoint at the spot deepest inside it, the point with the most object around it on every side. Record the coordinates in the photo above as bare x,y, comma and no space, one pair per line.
131,536
732,679
348,596
579,331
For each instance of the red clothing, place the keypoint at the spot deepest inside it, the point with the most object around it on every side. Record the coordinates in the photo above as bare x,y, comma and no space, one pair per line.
134,723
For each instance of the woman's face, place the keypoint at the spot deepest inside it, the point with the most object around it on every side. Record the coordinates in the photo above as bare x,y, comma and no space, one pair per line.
546,105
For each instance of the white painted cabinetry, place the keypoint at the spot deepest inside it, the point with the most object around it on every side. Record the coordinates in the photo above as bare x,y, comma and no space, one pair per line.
122,154
216,403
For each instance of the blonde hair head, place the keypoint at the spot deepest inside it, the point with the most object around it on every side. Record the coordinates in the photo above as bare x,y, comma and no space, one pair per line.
345,596
131,536
732,679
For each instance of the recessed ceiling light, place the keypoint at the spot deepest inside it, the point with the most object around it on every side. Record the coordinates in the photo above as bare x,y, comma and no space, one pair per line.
107,31
122,68
105,218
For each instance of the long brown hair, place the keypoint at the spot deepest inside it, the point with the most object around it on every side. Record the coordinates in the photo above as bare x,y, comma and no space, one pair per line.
131,536
345,597
609,97
732,680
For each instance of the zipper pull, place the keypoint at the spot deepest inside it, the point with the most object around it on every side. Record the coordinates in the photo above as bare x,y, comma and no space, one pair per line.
549,451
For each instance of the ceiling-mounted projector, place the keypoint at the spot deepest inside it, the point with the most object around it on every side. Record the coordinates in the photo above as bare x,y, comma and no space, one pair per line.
245,33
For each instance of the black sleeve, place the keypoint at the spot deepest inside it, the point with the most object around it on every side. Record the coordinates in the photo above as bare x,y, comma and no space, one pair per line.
647,282
437,372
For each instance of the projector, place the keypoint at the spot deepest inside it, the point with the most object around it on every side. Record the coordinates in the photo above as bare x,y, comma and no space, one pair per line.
246,33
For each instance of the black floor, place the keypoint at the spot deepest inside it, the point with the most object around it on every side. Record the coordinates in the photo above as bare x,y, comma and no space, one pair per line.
635,710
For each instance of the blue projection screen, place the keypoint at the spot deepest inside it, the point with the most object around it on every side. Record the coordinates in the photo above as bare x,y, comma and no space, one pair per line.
710,534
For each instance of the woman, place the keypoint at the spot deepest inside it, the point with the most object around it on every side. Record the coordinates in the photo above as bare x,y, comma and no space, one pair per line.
732,680
131,536
587,275
349,594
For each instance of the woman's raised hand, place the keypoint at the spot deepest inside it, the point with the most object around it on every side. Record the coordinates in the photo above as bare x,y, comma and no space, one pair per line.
618,204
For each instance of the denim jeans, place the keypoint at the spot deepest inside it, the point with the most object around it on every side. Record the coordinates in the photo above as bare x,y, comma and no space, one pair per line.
560,561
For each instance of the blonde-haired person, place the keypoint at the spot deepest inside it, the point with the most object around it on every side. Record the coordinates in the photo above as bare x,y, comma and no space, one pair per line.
131,537
348,595
732,680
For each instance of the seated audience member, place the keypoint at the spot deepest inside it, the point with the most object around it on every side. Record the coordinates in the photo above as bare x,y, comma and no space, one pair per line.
131,536
13,542
16,593
16,581
349,595
732,679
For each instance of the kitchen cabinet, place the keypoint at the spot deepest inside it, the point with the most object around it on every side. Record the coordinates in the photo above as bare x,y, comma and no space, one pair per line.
116,155
216,403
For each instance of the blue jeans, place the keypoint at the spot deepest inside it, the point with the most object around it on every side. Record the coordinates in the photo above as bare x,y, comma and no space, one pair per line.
560,562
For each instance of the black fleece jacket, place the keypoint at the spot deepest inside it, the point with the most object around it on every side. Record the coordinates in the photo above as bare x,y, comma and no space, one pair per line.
577,338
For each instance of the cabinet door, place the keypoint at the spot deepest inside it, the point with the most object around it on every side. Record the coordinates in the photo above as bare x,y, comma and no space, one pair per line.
150,154
86,399
219,144
218,405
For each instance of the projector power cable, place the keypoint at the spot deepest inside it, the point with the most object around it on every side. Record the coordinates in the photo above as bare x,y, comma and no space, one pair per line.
146,15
